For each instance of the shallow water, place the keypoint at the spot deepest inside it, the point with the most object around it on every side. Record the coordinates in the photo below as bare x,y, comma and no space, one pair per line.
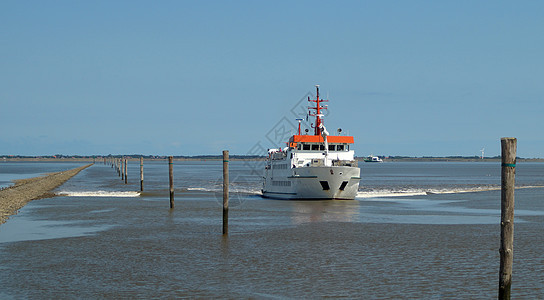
10,171
416,230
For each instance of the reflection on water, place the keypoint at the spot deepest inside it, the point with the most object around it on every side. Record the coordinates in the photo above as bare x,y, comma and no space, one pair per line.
324,211
23,228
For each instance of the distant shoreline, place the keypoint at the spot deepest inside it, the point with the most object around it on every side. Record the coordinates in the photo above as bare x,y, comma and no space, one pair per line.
455,159
100,159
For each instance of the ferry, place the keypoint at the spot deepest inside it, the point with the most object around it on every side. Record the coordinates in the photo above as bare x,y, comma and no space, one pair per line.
372,158
318,166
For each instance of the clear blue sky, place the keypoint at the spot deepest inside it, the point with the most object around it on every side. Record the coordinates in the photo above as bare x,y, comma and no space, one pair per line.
418,78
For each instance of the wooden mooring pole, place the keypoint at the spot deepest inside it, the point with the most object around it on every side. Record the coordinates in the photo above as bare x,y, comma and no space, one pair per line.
122,169
171,176
141,174
126,170
225,192
508,173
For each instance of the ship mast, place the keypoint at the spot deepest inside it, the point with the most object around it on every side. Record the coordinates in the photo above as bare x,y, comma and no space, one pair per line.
317,108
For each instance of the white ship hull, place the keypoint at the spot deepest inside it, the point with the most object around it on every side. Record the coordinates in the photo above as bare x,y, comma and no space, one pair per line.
326,182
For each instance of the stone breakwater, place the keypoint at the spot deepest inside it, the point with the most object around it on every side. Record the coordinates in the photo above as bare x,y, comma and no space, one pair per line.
25,190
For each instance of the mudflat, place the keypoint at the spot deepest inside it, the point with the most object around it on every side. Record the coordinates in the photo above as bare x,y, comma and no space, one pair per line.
25,190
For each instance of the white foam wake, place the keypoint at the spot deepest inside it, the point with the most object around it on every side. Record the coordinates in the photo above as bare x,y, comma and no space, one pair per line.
386,193
99,194
240,190
200,189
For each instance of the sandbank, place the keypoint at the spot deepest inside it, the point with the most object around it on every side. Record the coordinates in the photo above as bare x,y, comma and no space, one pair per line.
25,190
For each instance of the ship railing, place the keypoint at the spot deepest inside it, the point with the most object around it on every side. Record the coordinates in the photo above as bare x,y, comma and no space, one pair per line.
317,162
279,155
345,163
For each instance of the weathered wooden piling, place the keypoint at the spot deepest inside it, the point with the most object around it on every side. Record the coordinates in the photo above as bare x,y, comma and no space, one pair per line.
171,176
508,173
122,169
225,191
126,170
141,174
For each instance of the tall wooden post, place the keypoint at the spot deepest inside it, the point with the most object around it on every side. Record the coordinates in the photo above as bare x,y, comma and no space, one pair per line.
142,174
508,173
126,170
225,191
171,176
122,169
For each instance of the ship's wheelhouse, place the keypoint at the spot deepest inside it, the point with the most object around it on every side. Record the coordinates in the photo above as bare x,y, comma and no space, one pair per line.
321,147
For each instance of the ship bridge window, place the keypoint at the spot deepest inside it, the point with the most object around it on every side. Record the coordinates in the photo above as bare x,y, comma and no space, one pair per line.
332,147
306,147
299,147
315,147
340,147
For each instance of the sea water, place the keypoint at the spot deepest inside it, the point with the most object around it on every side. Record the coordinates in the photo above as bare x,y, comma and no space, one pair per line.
415,230
10,171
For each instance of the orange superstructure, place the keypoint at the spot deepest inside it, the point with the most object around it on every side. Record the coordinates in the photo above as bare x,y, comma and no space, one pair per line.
340,139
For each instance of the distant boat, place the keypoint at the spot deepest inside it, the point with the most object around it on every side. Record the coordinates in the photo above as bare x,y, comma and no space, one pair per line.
371,158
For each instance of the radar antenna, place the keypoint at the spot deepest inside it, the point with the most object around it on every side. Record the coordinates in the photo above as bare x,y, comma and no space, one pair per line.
317,114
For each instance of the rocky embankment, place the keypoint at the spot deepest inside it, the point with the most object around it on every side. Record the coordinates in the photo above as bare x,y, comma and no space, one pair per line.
25,190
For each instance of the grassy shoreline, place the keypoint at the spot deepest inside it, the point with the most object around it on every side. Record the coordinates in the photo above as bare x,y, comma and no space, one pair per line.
100,160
